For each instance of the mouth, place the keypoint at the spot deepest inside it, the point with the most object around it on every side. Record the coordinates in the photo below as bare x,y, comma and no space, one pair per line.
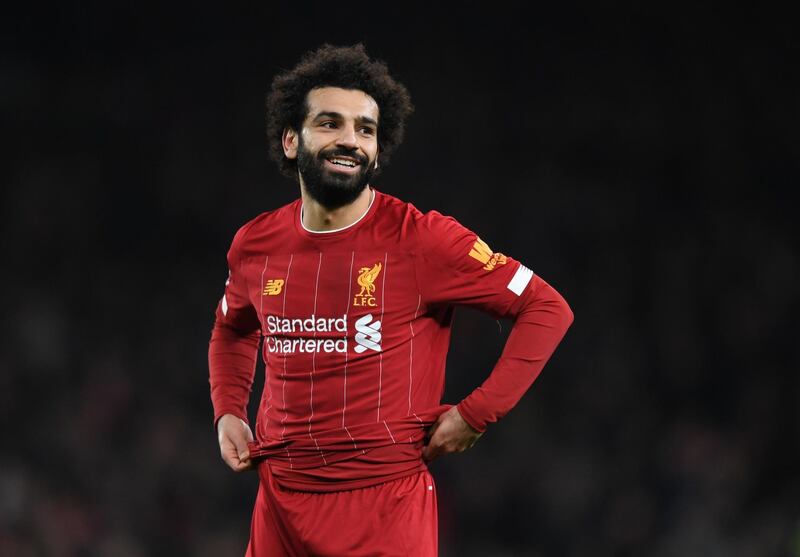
348,165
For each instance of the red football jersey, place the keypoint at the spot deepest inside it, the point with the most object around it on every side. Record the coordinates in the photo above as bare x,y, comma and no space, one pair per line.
356,327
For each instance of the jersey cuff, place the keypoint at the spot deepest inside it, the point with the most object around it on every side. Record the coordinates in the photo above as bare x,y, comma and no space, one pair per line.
470,418
229,410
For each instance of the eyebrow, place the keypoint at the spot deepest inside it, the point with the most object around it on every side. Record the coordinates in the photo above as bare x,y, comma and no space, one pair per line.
338,116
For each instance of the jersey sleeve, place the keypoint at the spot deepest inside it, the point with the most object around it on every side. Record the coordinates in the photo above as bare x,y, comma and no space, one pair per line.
455,266
233,348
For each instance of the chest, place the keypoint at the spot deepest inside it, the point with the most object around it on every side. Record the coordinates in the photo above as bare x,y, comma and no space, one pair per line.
328,287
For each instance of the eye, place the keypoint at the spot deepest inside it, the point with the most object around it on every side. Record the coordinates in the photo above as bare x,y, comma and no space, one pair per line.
328,124
368,131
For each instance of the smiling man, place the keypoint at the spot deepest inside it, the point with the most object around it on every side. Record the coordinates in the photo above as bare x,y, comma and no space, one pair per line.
335,169
353,291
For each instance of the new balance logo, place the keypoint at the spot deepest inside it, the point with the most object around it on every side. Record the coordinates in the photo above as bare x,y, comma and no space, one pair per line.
273,287
368,334
483,253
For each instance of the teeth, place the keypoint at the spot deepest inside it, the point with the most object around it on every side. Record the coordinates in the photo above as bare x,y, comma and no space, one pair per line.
343,162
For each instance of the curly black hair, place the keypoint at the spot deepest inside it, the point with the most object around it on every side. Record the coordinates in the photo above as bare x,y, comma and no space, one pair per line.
331,66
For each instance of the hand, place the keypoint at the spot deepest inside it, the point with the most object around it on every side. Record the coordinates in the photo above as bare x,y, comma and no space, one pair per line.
234,435
450,434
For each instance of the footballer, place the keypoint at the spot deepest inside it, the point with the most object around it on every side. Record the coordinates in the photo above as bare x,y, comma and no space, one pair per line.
348,293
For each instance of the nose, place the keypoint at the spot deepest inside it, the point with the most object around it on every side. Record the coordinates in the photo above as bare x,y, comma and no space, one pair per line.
347,137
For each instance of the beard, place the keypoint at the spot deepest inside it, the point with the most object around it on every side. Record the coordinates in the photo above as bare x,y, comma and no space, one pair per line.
328,188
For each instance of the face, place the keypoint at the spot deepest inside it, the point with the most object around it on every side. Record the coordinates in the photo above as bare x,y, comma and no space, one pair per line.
337,147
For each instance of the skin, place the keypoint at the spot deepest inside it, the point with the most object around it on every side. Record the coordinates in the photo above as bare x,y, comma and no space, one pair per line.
450,434
336,118
341,118
233,435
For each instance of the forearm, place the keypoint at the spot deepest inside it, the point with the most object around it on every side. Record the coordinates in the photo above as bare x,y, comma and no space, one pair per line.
541,323
231,363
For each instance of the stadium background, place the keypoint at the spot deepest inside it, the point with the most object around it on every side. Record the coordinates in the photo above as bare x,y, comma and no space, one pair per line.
641,161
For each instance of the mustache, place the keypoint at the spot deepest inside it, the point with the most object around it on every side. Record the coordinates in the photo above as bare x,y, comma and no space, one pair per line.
342,152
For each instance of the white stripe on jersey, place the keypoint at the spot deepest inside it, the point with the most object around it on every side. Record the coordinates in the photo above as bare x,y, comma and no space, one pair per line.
520,280
283,315
380,354
265,421
411,352
347,305
314,367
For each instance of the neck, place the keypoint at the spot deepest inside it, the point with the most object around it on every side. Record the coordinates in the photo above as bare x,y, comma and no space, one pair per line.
319,218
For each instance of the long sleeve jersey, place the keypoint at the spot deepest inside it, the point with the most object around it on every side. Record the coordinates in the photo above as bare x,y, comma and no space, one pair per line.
356,326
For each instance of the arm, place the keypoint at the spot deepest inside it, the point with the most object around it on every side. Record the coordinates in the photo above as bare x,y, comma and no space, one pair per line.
231,365
541,323
232,357
458,268
232,354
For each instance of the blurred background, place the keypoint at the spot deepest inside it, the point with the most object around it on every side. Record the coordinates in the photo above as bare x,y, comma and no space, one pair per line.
641,161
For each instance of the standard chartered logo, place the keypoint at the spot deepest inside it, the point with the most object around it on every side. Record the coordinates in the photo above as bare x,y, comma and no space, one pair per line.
368,335
312,324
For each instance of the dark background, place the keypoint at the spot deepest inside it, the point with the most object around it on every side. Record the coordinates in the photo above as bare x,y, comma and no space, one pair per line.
641,161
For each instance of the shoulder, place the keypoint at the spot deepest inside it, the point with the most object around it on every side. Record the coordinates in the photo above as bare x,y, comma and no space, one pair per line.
436,230
437,237
393,208
424,224
268,224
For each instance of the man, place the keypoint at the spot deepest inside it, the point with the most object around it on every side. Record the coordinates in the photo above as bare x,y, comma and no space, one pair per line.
353,292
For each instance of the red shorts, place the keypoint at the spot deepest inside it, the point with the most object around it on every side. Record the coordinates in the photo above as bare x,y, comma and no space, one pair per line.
393,518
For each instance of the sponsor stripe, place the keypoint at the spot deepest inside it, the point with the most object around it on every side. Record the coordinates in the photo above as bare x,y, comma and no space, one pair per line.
520,280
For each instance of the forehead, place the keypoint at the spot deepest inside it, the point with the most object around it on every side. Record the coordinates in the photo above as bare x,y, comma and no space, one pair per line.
347,102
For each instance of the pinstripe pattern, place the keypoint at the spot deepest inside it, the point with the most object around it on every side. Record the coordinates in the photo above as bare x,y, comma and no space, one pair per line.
314,364
265,422
346,352
283,315
411,361
380,354
347,307
390,431
411,351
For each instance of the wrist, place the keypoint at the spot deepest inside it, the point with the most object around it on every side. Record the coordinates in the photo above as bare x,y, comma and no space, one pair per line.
471,419
233,414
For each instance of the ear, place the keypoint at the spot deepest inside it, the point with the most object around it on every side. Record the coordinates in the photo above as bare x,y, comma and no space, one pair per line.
289,141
